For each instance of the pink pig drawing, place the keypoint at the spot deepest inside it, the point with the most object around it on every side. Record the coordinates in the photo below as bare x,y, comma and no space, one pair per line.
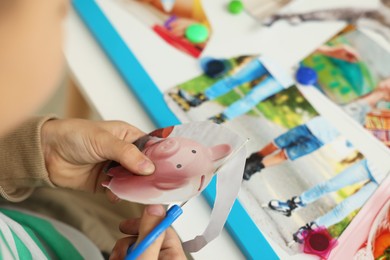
184,168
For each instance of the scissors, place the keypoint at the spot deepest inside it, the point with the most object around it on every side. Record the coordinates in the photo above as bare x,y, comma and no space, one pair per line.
172,214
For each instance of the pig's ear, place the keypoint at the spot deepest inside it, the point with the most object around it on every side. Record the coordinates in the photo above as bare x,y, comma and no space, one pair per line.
220,151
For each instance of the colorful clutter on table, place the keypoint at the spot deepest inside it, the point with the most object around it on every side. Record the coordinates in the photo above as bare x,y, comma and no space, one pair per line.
167,23
214,68
318,242
306,76
197,33
235,7
177,42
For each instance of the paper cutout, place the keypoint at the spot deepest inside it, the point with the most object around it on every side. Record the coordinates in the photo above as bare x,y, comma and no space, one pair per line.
186,158
227,190
184,167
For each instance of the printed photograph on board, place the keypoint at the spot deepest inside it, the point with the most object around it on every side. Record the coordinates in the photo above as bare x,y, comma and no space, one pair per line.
352,71
302,178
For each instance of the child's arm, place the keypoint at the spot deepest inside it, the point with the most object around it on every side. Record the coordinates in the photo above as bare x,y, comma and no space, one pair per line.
22,164
31,60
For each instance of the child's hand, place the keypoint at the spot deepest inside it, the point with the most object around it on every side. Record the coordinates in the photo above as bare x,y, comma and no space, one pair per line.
342,52
76,152
167,246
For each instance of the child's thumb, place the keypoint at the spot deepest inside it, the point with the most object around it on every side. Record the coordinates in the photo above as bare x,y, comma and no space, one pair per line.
152,216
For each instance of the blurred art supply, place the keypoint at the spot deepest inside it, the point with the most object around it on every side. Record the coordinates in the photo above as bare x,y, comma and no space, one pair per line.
317,241
306,76
172,214
197,33
235,7
161,23
177,42
214,68
167,23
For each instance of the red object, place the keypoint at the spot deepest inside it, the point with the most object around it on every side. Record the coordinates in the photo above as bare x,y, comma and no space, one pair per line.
177,42
318,242
162,132
382,245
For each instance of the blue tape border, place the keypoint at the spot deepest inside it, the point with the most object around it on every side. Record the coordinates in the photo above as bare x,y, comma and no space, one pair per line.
240,226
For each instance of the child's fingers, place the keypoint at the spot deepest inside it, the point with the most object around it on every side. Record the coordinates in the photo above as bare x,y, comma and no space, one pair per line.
127,154
171,247
130,226
119,251
122,130
152,216
171,239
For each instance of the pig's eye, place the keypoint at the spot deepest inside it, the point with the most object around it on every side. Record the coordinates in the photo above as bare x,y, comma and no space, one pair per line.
193,151
178,166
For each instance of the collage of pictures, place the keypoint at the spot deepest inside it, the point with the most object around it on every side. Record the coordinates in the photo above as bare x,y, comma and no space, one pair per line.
302,176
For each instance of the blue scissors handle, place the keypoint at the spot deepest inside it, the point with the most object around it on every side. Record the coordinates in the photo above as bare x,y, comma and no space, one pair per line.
172,214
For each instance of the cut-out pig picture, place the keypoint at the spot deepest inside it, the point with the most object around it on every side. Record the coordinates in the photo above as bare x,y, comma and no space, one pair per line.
186,158
184,167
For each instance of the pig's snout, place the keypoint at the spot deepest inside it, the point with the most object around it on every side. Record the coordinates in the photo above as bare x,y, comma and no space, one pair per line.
167,148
